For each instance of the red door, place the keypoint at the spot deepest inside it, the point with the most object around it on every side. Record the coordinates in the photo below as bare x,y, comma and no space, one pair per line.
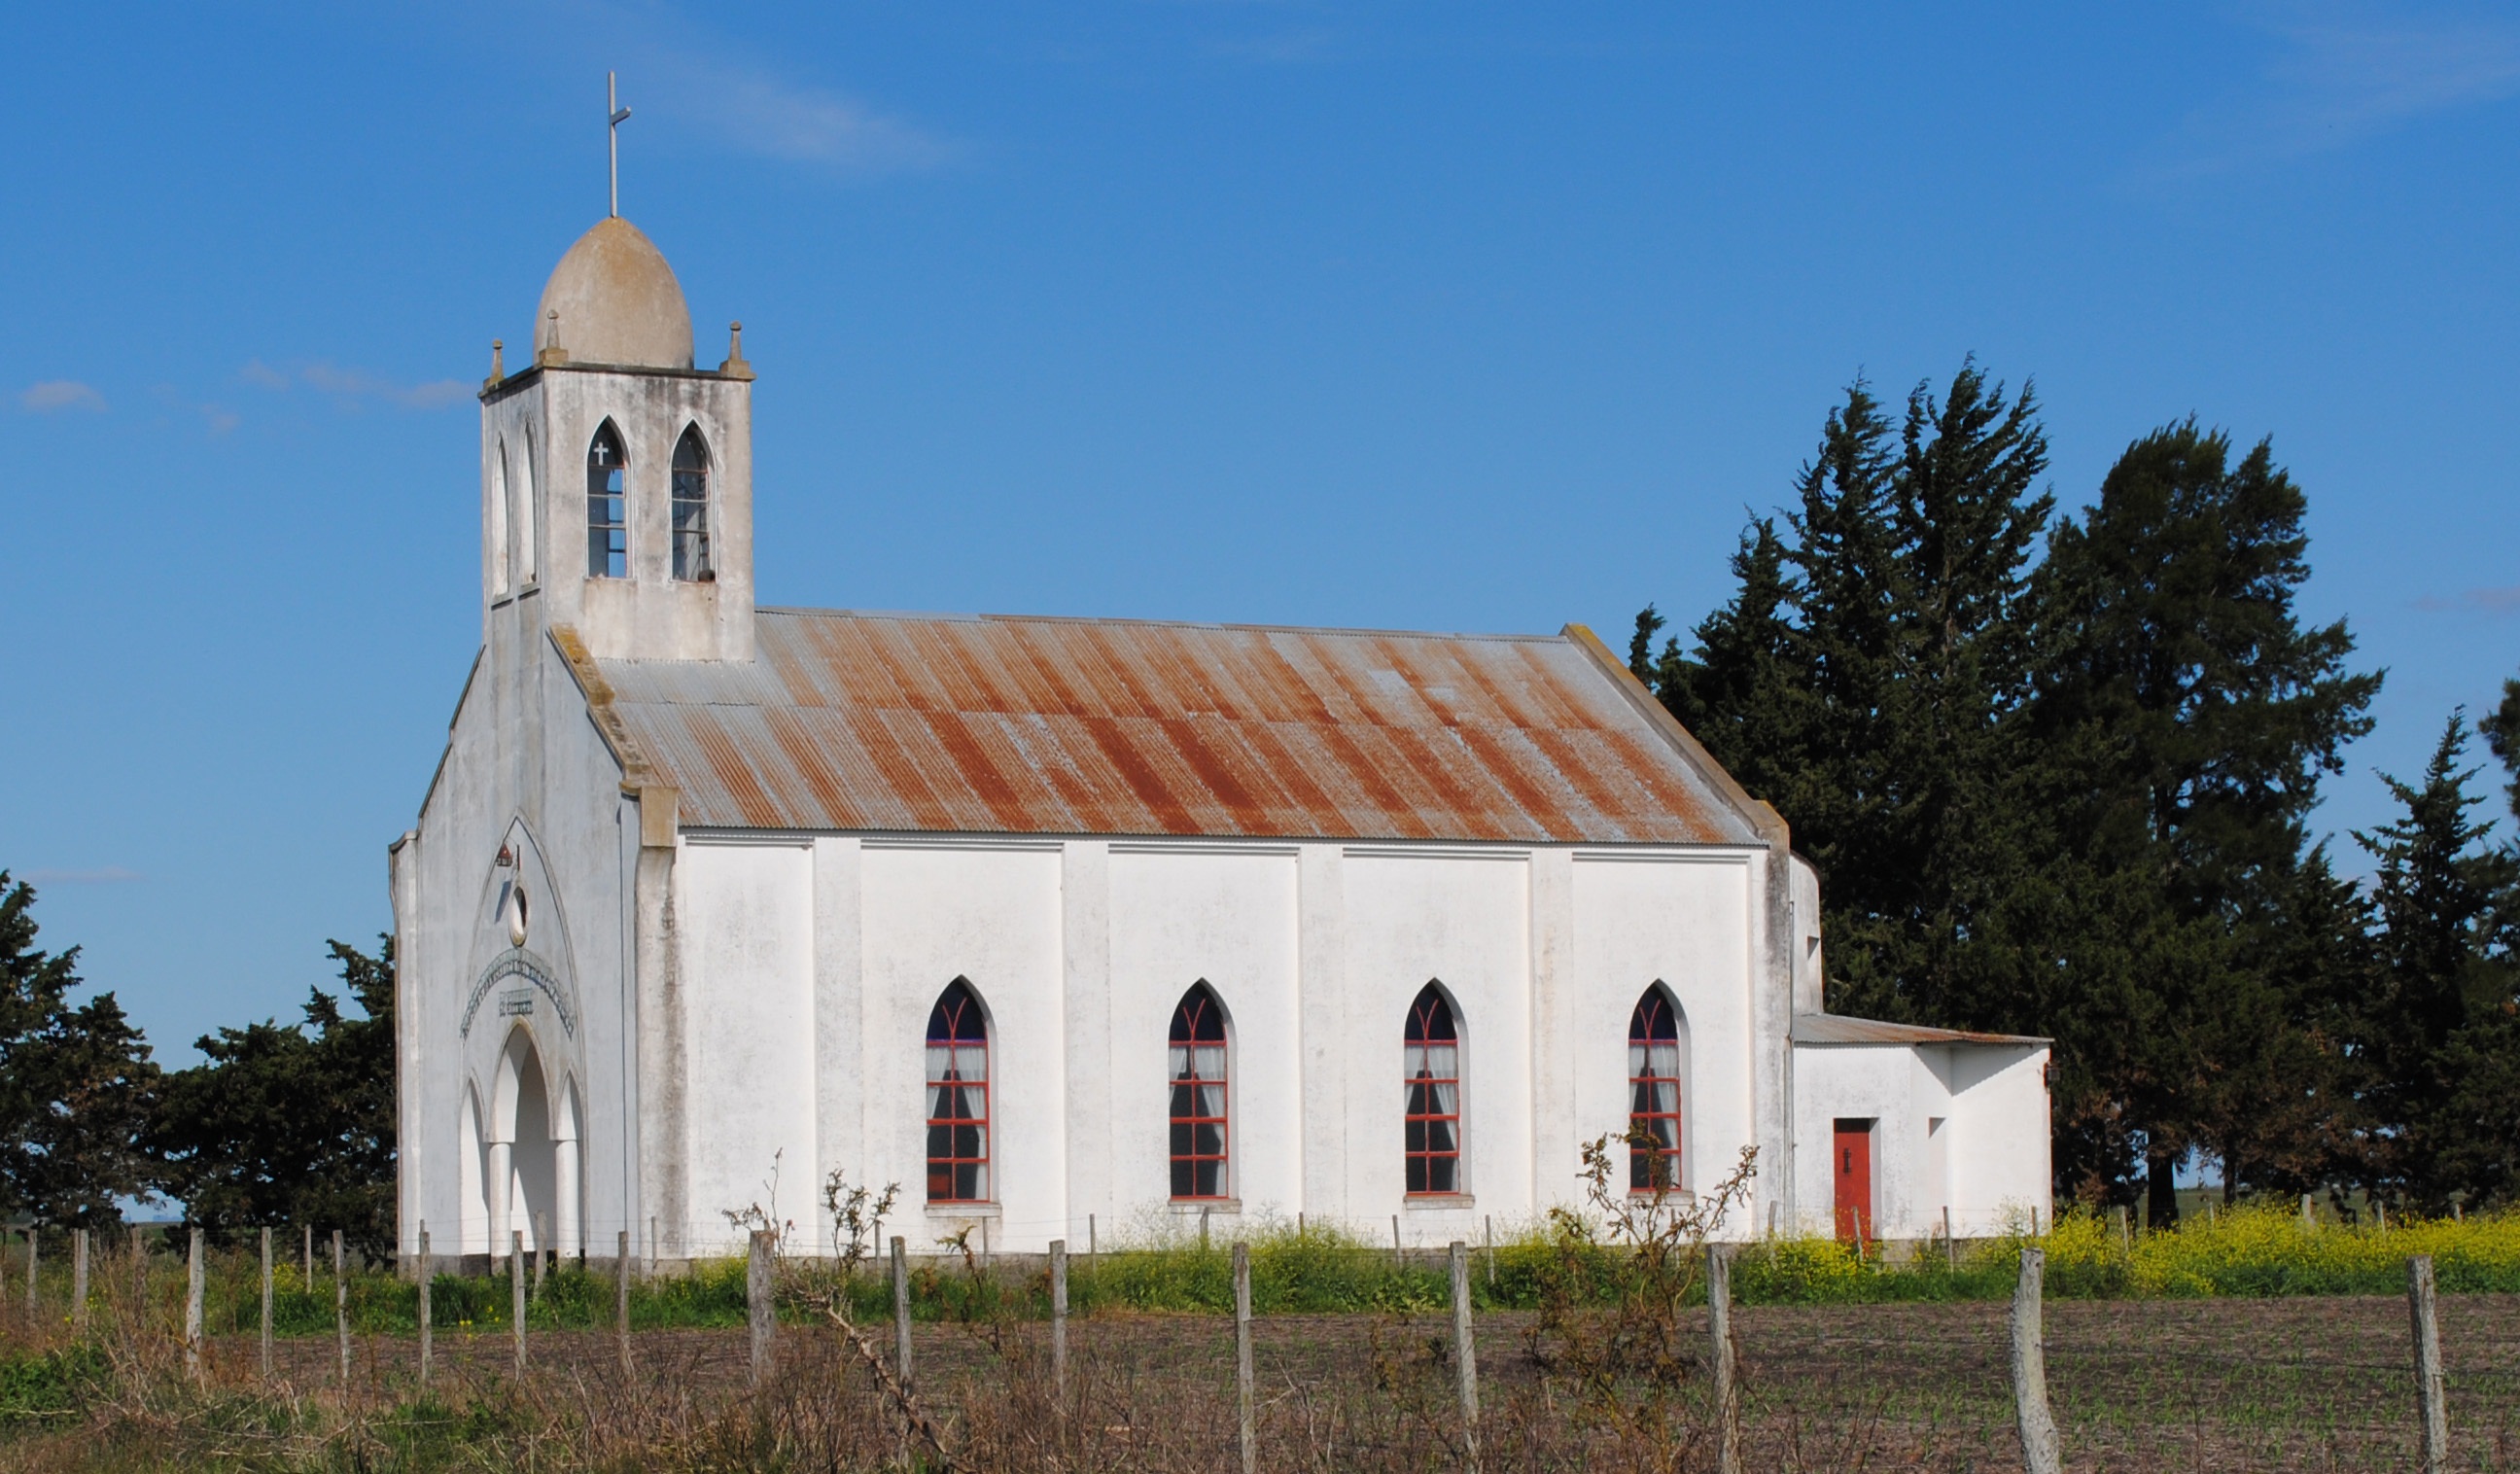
1854,1164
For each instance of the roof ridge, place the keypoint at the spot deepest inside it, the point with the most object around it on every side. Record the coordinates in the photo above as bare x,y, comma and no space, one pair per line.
1360,631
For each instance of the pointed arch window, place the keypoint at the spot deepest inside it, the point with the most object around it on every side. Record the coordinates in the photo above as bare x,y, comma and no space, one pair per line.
957,1097
1431,1061
1195,1064
692,508
525,513
1654,1093
498,559
607,504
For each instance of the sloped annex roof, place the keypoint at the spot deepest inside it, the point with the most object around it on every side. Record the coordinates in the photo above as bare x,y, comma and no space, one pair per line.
1839,1028
993,725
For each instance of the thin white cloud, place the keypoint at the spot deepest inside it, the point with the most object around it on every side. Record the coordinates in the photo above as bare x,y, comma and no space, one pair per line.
2475,602
760,112
218,418
111,874
54,395
2341,74
352,385
359,383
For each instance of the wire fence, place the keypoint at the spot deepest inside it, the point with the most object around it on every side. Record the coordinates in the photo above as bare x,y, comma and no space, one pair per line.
2329,1382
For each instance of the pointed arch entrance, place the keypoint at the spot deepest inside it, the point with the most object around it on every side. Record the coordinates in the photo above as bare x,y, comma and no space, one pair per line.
531,1169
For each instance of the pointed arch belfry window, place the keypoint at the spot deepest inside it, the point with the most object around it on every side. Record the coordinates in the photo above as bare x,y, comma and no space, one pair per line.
499,553
1432,1063
1654,1093
1196,1068
957,1097
607,505
692,508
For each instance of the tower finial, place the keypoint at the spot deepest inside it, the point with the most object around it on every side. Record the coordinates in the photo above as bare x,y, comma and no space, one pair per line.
615,113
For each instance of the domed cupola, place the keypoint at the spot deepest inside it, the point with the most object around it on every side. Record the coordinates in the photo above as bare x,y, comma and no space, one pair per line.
616,303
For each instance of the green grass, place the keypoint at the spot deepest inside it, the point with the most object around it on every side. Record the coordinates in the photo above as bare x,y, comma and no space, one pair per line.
1317,1269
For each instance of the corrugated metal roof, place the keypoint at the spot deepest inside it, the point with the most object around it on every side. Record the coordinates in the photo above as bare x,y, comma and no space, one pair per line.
991,725
1835,1028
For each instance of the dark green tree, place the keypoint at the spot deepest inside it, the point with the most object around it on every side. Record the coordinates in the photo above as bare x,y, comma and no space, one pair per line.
2501,729
291,1124
2439,1033
1861,681
75,1083
2182,722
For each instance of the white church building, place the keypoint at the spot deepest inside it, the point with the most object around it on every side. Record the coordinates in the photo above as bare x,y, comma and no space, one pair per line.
1056,921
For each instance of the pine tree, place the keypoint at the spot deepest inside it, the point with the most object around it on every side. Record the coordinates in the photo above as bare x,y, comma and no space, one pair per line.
2501,730
2182,721
2439,1030
75,1083
291,1124
1861,680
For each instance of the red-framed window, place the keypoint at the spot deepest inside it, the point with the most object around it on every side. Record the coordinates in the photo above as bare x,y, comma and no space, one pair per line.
957,1097
1195,1065
1654,1093
1431,1059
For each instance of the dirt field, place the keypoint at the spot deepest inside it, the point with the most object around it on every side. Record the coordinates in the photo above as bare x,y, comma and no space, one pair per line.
2209,1385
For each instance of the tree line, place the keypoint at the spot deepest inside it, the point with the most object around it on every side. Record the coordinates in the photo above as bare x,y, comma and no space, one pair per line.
281,1124
2057,773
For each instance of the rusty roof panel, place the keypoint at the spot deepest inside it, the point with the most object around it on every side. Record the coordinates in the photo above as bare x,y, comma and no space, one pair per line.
936,724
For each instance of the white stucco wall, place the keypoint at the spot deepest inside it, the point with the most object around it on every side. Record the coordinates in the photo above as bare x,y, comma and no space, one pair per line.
746,954
1683,922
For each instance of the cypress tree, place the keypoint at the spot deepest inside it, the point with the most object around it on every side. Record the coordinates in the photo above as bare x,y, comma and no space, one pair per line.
75,1083
2183,720
2439,1032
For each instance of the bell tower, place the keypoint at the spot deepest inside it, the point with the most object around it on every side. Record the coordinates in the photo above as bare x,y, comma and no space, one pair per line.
616,478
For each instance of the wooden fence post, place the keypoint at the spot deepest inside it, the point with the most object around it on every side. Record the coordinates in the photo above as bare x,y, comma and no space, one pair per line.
2429,1387
1396,1262
516,1293
266,1304
1092,1246
2126,1230
2039,1454
652,1249
428,1313
2308,1222
544,1254
760,1298
1719,1329
1488,1227
1244,1416
78,1278
1059,1321
342,1304
193,1269
1951,1245
34,1238
311,1258
621,1299
139,1278
900,1312
1465,1357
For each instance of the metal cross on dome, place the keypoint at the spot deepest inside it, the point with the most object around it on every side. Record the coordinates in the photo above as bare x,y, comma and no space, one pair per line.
615,113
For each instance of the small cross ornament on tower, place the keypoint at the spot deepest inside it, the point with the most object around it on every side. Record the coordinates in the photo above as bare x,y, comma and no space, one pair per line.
614,113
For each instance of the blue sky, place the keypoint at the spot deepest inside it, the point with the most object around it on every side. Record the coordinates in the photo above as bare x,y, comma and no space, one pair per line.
1438,315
